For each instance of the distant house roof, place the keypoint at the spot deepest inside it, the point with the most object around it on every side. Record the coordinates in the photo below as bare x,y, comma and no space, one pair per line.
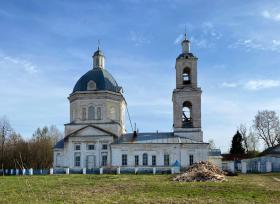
152,138
271,151
233,157
59,144
214,152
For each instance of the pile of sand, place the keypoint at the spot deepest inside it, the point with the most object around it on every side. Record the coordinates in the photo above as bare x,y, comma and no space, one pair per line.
201,171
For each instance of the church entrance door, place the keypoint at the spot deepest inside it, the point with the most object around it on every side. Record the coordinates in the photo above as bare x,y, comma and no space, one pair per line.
91,161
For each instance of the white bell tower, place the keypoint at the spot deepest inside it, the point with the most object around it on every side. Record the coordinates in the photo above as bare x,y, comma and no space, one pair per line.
187,96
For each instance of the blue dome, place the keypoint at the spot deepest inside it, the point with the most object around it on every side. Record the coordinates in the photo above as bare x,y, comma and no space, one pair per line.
103,80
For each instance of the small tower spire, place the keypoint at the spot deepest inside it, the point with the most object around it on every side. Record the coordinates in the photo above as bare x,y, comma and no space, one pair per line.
185,32
98,58
98,45
185,43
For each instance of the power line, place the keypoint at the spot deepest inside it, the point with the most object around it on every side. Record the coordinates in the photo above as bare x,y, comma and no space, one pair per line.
126,106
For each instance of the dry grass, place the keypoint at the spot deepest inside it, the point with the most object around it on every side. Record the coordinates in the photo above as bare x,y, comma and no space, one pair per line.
251,188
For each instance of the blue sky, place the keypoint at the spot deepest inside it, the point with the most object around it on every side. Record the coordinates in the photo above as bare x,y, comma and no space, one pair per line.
45,46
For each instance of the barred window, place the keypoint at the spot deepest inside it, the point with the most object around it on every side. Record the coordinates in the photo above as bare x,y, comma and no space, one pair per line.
124,159
191,159
145,159
77,159
166,160
104,160
136,158
154,160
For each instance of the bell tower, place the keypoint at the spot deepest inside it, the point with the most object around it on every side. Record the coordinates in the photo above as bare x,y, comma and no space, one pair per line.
187,96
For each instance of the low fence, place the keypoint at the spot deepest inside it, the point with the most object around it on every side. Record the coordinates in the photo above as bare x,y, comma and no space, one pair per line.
261,164
228,166
102,170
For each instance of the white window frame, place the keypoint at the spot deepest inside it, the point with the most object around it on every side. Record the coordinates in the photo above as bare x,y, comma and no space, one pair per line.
103,145
91,112
88,145
77,145
77,163
166,160
145,160
102,161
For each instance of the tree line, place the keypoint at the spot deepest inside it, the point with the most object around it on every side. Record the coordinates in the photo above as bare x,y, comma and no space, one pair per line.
265,128
35,152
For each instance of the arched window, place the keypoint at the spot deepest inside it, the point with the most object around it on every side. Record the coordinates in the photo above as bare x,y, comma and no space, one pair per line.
187,114
187,76
84,113
99,113
91,113
145,159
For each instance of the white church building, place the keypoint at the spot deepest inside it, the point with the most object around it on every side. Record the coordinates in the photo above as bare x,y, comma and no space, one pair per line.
96,137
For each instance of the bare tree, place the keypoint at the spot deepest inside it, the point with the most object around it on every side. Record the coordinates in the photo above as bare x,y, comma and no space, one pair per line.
55,134
5,130
243,131
250,141
41,146
267,126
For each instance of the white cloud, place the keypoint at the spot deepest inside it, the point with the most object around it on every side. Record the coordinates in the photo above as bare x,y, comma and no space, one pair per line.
202,43
253,44
261,84
229,84
209,29
253,85
138,38
27,66
276,42
178,39
273,15
207,34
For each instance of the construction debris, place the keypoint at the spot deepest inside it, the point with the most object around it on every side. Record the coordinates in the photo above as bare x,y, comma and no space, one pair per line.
201,171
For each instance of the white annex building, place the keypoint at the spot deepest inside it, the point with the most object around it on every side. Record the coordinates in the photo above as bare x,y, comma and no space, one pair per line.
96,136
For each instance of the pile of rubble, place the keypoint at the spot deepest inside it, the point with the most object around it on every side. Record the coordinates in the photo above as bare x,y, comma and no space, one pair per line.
201,171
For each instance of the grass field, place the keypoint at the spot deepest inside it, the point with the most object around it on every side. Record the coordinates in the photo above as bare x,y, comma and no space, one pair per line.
251,188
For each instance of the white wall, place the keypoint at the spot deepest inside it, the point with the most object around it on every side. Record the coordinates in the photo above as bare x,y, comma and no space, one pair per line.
175,151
